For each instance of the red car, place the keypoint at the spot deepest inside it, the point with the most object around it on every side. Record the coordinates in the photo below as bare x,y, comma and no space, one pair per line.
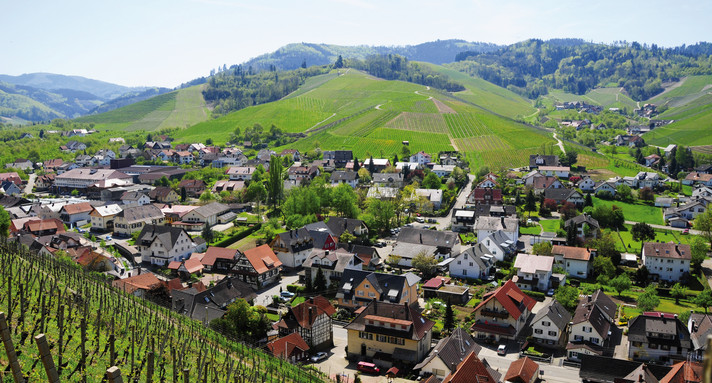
368,367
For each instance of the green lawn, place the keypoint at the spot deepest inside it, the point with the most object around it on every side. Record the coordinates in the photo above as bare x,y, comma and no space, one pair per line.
630,246
550,225
637,212
533,230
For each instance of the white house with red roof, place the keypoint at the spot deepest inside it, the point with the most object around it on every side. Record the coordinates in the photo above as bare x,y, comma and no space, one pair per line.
502,313
577,261
421,158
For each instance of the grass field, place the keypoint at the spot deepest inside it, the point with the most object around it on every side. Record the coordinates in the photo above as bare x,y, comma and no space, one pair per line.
637,212
627,244
181,108
686,91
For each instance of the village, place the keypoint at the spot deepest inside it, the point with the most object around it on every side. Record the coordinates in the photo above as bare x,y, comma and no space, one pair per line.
543,272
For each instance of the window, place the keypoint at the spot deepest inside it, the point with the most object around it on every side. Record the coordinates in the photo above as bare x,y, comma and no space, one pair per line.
545,323
573,355
593,340
372,295
464,272
471,264
538,331
553,333
653,346
459,262
360,293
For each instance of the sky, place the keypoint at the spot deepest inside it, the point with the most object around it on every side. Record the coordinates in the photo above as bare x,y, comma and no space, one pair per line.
168,42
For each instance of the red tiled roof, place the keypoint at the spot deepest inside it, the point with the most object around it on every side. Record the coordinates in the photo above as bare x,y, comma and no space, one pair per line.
510,297
377,318
684,372
174,284
472,369
284,347
521,371
262,258
144,281
570,252
77,208
433,283
323,304
45,224
214,253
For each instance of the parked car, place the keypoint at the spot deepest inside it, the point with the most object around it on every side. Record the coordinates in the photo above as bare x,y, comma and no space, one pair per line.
368,367
319,356
550,293
420,219
502,349
286,294
686,232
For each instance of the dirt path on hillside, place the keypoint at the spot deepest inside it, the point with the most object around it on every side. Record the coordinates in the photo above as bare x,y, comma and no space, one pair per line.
561,144
320,122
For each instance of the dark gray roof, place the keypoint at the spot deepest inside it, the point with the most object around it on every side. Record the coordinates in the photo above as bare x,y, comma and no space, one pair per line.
338,155
437,238
559,194
672,331
452,350
192,303
547,160
555,312
338,225
297,239
214,208
167,234
387,177
583,218
343,176
603,369
140,213
701,329
476,253
383,283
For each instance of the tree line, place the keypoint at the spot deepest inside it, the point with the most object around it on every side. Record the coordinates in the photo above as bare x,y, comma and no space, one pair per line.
533,66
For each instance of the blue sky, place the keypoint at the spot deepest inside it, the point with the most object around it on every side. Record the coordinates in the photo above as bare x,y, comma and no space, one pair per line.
165,43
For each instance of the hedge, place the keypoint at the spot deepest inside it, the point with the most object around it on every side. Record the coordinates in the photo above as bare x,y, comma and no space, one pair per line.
230,240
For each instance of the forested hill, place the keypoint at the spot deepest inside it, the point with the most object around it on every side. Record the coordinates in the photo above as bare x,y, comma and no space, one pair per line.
292,56
531,67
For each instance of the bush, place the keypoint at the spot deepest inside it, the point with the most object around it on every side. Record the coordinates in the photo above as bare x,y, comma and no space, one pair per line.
296,289
535,294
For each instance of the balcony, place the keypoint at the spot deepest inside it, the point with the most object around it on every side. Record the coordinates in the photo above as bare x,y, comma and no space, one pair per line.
494,314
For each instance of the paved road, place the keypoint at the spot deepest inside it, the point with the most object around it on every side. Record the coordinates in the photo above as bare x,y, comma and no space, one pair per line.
30,184
264,296
663,227
444,222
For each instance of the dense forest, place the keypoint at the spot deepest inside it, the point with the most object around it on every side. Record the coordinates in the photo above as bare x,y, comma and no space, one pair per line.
531,67
239,87
395,67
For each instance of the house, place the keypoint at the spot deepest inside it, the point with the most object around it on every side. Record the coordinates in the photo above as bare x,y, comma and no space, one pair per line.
182,157
293,247
411,241
102,217
83,178
537,160
698,178
577,261
240,173
434,198
648,179
652,160
340,225
688,211
291,348
500,245
448,353
71,214
187,267
219,259
421,158
490,181
586,184
164,194
160,245
9,188
370,259
485,226
685,372
463,220
210,215
340,157
658,337
533,271
556,171
45,181
664,202
388,179
12,177
137,285
358,288
591,326
22,164
443,170
522,370
667,261
561,196
134,198
293,154
502,313
485,196
601,369
379,164
550,324
608,187
133,219
449,159
543,183
310,319
52,165
586,226
332,264
302,173
344,177
228,185
73,146
700,327
472,369
389,333
206,304
258,267
43,227
474,263
382,192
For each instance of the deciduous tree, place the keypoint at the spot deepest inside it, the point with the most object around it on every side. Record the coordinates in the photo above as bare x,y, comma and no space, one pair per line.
649,300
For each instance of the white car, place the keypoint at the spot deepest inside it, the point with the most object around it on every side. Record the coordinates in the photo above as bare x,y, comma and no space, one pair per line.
319,356
502,349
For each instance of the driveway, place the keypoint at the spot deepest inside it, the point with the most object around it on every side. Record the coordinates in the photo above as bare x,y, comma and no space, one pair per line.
264,296
30,184
444,222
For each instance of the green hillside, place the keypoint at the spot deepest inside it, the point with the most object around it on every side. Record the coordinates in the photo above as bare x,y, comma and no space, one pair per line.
181,108
372,116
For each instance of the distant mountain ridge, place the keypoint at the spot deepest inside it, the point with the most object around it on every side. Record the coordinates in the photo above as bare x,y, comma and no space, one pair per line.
45,96
292,56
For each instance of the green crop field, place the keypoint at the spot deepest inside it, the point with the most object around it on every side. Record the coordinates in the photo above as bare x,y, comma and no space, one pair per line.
419,122
683,93
181,108
606,97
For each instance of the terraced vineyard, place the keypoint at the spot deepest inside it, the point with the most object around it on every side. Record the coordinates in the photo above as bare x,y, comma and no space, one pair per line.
89,327
419,122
